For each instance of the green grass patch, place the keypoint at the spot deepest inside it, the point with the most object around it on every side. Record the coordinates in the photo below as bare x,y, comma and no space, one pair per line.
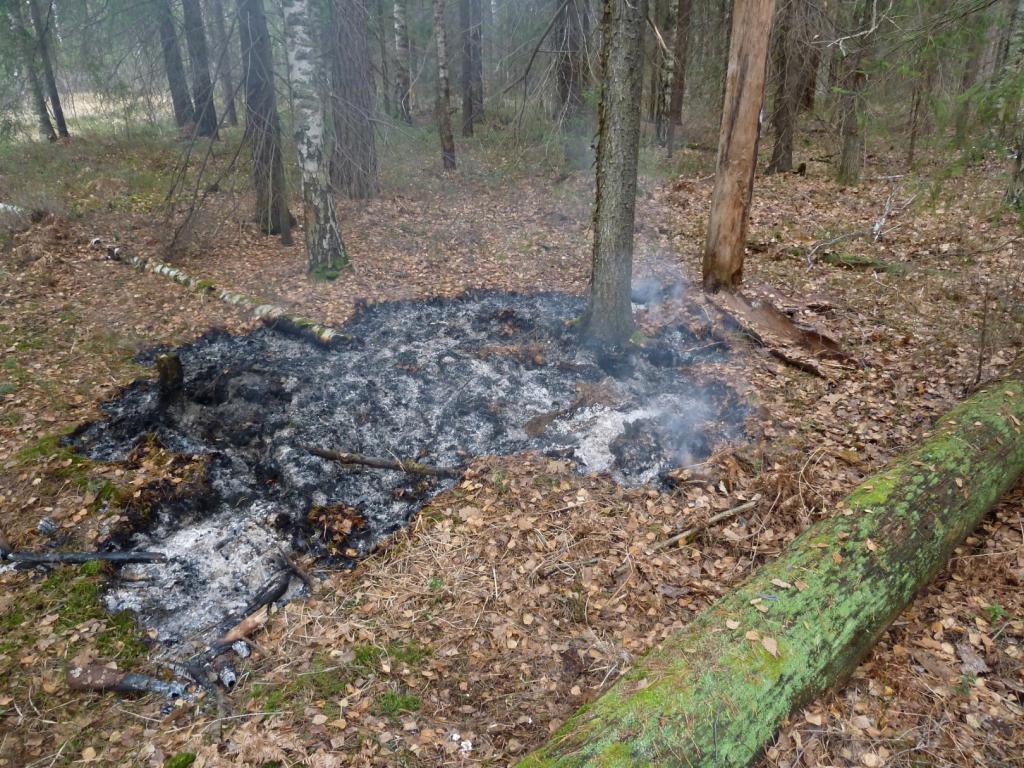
391,704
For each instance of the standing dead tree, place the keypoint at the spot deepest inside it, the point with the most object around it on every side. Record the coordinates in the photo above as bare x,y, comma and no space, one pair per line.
737,145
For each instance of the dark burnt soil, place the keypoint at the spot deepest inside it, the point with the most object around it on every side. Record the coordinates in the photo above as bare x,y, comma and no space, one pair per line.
441,381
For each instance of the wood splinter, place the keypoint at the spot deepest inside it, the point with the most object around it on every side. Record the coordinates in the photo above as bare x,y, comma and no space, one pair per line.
399,465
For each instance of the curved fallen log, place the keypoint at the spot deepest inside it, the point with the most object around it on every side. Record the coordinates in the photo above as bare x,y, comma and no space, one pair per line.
269,314
716,691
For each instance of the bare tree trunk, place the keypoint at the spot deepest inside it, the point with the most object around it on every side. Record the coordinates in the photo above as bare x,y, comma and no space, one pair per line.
680,52
262,126
965,109
1015,192
476,74
609,319
181,101
198,53
26,46
737,144
354,153
790,66
403,64
851,103
571,70
444,90
466,82
327,255
42,28
225,67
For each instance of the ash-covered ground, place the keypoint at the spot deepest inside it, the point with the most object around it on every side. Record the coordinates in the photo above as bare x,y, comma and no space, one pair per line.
440,381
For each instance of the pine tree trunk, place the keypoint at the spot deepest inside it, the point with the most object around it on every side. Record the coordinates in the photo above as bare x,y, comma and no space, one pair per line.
715,692
609,320
444,90
262,125
737,145
225,61
851,104
41,25
354,155
1015,192
680,53
466,82
477,60
181,101
385,55
198,53
324,245
403,64
788,88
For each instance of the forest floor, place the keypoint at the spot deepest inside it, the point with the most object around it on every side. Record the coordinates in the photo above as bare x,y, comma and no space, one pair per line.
471,636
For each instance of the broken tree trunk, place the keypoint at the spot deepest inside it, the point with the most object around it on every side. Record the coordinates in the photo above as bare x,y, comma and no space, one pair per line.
715,692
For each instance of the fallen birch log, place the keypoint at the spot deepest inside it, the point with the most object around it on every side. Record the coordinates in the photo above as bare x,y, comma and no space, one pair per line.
715,692
269,314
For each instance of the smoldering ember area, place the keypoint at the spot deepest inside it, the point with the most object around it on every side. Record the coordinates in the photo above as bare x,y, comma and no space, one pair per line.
431,384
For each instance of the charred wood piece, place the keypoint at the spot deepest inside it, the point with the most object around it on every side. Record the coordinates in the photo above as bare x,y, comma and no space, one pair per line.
96,677
171,380
399,465
77,558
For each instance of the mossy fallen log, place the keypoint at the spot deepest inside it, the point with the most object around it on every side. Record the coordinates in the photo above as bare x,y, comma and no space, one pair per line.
714,693
269,314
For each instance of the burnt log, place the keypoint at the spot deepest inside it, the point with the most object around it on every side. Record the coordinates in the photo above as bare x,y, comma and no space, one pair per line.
716,691
77,558
96,677
171,377
411,466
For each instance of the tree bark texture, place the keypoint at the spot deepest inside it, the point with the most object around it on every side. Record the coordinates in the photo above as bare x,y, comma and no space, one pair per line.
41,23
199,55
262,124
472,64
680,53
717,690
27,49
444,90
403,64
737,145
354,168
324,245
223,58
572,31
181,100
851,103
609,319
790,85
1015,192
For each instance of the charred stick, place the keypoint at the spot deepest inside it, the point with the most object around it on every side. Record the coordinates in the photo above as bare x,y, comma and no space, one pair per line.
77,558
399,465
96,677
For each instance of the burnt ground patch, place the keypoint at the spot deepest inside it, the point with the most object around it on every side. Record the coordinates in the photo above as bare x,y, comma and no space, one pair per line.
438,381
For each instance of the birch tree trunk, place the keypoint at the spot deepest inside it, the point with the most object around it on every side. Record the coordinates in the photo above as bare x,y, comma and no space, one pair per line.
609,320
42,25
199,55
354,168
225,61
262,125
737,145
444,91
324,246
680,52
403,64
181,101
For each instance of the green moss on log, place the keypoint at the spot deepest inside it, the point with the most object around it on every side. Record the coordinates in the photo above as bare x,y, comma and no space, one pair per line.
714,693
